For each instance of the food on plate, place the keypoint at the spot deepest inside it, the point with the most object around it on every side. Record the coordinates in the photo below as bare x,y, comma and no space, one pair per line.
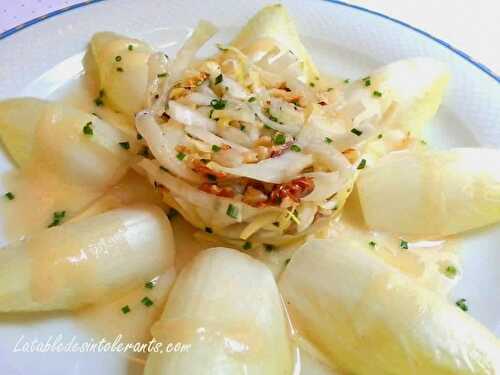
369,318
122,71
260,150
226,306
432,193
79,263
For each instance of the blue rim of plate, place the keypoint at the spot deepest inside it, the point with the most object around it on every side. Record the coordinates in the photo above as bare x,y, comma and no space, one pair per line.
458,52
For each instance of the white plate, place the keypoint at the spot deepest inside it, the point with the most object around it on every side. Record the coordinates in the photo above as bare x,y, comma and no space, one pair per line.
345,40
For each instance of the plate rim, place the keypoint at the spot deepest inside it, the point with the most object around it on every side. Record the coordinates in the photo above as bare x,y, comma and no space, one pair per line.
433,38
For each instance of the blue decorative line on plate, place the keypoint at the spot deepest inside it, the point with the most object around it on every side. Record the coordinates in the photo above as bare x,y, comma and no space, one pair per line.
335,2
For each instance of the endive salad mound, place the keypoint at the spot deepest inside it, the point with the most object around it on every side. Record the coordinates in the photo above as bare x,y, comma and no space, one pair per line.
255,145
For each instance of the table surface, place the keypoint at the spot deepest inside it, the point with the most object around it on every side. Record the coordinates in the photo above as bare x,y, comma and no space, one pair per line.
471,26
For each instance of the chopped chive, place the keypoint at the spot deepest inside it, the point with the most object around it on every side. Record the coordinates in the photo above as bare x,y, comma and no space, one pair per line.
215,148
403,245
119,69
149,285
329,89
362,164
130,47
356,131
247,245
232,211
181,156
312,84
218,104
267,126
328,140
252,99
423,142
218,79
147,302
368,82
172,214
295,148
377,94
268,247
9,195
287,261
346,80
372,244
451,271
242,128
162,75
462,303
87,129
124,145
125,309
272,118
208,230
57,217
210,113
99,102
380,136
144,152
162,168
279,139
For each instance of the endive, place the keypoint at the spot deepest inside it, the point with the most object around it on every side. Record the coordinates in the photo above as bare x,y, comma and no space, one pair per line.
123,70
274,22
368,318
68,266
432,193
226,307
69,158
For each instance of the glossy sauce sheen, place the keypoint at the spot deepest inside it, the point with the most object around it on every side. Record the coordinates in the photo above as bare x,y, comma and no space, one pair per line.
424,260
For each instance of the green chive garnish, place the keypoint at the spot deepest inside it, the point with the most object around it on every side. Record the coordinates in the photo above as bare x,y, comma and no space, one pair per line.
149,285
162,75
125,309
87,129
372,244
268,247
462,303
57,217
232,211
377,94
218,104
356,131
181,156
218,79
247,245
295,148
215,148
252,99
147,302
328,140
124,145
362,164
9,195
279,139
451,271
403,245
119,69
130,47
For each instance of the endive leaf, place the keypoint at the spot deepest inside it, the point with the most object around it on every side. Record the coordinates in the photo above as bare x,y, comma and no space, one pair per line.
370,319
